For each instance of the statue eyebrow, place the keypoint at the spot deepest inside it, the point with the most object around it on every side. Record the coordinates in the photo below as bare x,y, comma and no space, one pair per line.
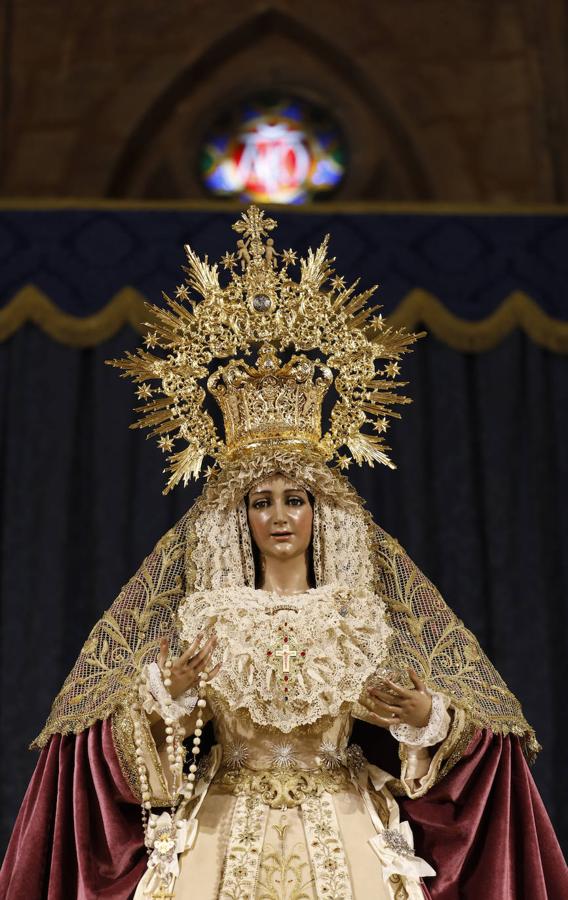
289,490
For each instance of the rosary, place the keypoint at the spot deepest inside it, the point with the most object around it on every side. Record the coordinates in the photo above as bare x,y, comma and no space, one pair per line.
161,842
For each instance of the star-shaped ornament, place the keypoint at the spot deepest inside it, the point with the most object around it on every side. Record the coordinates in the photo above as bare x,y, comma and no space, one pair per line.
381,425
229,261
289,257
166,444
338,283
181,292
343,462
151,339
144,392
393,369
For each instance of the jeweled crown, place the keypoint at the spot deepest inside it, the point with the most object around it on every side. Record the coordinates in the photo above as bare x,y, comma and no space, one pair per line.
270,402
286,340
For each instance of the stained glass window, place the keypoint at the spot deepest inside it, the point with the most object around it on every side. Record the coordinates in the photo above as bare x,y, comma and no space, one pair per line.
274,150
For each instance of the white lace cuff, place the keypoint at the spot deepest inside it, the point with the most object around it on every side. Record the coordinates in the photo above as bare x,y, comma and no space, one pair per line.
156,697
432,733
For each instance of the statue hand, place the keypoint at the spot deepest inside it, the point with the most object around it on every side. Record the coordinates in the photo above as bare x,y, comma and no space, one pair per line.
407,706
187,668
380,713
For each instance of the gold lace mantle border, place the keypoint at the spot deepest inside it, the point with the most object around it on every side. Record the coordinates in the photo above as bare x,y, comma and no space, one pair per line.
417,308
407,647
126,636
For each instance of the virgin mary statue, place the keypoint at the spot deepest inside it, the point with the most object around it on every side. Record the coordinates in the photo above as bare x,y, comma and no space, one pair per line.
279,705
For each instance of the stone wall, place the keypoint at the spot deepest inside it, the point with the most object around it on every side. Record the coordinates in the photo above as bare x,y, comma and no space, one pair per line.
442,100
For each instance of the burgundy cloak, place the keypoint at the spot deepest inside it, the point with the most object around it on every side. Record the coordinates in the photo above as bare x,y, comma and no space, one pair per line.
483,827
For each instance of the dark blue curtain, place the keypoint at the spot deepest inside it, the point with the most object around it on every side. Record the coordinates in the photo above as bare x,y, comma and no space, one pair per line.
80,258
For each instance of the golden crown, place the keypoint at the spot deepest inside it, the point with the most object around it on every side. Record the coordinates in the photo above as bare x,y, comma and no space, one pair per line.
262,313
270,402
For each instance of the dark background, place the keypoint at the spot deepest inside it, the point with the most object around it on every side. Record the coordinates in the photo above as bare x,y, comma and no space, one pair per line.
478,499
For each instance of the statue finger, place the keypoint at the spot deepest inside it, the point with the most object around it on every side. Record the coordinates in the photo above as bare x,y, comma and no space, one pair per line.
187,654
163,654
213,672
417,681
398,690
386,710
385,721
198,659
387,703
385,696
205,662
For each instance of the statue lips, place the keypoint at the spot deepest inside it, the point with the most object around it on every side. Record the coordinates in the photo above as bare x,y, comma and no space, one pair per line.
281,536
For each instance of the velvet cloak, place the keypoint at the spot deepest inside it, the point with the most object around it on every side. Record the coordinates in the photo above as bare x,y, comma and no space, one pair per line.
484,827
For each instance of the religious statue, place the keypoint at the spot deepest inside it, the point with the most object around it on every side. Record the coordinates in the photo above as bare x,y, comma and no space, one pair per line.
279,705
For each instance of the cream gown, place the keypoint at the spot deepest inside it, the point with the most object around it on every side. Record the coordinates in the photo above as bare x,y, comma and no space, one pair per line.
284,809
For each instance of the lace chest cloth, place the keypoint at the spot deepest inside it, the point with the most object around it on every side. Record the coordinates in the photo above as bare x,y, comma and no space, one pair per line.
289,661
292,668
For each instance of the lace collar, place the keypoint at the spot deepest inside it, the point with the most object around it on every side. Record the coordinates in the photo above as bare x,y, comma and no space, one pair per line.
290,659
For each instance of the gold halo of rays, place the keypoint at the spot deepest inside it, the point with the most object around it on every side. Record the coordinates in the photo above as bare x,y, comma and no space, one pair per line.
260,303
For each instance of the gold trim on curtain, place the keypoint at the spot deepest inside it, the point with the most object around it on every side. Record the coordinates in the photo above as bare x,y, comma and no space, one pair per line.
418,309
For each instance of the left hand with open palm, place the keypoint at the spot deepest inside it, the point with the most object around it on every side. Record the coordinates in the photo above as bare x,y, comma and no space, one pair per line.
393,704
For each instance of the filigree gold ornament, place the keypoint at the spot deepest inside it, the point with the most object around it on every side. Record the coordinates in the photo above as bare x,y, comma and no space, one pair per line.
255,322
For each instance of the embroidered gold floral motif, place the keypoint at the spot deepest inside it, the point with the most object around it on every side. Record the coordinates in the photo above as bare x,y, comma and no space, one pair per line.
242,858
430,638
281,787
326,849
283,875
400,892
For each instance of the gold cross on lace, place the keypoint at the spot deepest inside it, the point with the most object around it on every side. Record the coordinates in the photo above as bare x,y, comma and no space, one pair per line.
286,655
161,894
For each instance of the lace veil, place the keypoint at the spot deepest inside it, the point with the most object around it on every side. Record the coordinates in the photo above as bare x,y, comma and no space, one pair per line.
210,548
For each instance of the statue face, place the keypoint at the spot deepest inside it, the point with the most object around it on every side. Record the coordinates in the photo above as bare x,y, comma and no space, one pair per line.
280,517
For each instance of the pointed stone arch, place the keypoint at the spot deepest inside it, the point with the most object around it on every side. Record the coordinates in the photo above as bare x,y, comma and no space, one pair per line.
253,53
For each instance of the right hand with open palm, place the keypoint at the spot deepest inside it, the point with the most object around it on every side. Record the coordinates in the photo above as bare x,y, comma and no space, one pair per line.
187,668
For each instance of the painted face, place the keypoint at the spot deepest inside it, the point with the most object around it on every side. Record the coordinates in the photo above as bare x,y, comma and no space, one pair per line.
280,517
